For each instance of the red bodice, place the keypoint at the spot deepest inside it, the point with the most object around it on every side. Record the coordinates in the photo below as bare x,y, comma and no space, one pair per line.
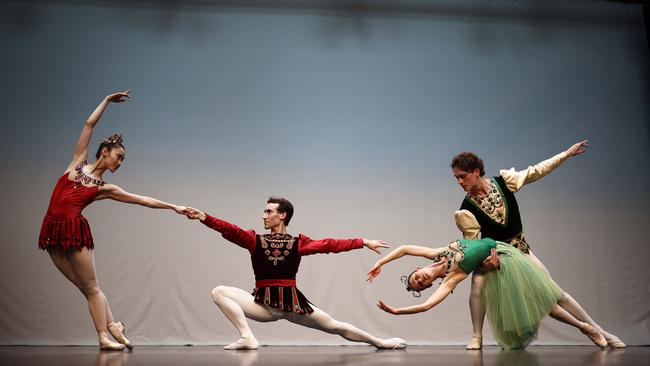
63,226
69,198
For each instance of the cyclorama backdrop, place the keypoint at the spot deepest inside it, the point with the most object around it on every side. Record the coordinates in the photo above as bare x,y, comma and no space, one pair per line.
351,112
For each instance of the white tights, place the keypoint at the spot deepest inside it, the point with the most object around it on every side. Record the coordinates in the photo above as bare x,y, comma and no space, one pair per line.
237,305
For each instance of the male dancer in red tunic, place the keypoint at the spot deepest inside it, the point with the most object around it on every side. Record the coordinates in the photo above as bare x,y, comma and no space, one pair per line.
276,258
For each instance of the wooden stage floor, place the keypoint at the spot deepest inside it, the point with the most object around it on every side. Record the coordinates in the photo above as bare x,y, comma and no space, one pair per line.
321,355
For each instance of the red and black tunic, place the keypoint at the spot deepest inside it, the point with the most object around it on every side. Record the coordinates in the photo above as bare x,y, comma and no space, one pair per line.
276,258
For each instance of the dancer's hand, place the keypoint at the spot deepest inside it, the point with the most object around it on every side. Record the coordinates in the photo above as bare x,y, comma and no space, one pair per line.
375,244
577,148
194,214
374,272
492,262
119,97
386,308
180,209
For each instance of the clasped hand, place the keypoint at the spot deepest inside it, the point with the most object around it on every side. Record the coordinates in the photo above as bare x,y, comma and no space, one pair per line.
194,214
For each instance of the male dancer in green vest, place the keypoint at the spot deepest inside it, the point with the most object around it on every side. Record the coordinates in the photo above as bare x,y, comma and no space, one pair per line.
490,209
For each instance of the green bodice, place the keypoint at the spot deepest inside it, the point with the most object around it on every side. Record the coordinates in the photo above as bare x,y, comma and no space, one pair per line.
475,252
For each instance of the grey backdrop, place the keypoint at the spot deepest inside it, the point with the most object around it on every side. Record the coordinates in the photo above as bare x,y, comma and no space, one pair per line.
353,112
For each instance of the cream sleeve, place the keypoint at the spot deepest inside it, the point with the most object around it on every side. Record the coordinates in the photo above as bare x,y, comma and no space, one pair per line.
517,179
467,224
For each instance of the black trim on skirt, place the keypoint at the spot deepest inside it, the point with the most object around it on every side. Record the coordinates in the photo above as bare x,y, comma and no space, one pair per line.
285,298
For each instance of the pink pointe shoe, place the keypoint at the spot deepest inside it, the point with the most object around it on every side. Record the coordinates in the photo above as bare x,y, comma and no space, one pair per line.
117,331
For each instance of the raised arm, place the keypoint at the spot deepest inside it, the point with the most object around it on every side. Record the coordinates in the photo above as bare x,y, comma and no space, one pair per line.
401,251
116,193
515,180
81,150
447,287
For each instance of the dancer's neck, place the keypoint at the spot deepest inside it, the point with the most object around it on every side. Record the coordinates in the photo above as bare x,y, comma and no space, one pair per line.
482,189
96,169
280,229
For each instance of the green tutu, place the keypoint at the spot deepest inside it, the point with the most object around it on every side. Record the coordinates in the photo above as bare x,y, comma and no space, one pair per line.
517,298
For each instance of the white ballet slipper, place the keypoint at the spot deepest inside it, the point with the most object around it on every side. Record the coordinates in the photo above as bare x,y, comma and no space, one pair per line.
393,343
243,343
475,344
615,342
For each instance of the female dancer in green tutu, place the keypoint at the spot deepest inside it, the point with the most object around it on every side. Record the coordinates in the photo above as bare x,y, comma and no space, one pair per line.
518,295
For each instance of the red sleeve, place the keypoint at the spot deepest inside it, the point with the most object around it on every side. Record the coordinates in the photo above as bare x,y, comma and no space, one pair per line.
306,246
232,233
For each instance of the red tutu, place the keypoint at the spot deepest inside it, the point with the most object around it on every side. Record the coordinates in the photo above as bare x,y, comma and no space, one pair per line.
68,233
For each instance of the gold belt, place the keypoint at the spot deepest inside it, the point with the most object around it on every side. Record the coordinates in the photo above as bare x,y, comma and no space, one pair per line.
519,242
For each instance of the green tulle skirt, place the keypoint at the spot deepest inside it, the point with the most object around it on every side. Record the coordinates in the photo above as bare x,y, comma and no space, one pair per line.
517,298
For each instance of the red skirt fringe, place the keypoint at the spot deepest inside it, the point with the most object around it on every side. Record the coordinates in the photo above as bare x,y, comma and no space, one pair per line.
69,233
285,298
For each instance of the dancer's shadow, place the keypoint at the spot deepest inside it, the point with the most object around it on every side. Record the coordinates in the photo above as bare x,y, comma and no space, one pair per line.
602,357
374,357
516,357
244,358
476,357
111,358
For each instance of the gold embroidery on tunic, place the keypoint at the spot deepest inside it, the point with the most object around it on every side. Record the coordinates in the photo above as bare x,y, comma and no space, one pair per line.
520,243
277,242
492,205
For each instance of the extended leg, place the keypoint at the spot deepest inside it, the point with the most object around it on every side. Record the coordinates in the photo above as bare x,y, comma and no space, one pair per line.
477,311
322,321
590,331
569,304
237,305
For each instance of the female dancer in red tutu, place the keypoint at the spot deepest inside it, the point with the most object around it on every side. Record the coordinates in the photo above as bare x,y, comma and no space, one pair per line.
65,233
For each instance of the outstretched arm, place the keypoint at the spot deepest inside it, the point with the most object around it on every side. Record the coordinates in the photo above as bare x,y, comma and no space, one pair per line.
374,245
307,246
81,150
230,232
118,194
447,287
194,214
401,251
515,180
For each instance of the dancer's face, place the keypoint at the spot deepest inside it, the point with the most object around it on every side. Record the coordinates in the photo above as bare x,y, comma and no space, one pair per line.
421,279
468,180
272,218
114,158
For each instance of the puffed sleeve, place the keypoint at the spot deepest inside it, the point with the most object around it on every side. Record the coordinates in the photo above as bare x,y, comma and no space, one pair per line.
517,179
467,224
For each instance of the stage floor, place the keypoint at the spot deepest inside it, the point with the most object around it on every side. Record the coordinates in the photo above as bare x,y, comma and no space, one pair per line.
322,355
